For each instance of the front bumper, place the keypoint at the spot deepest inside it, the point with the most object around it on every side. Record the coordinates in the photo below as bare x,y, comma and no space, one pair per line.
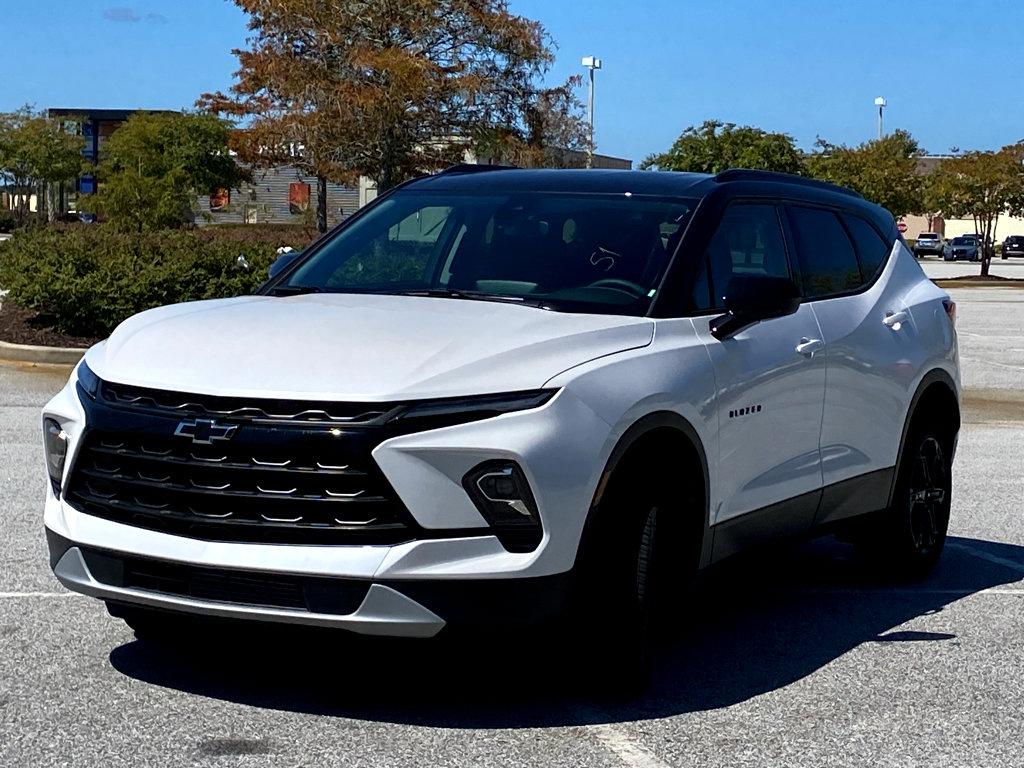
412,608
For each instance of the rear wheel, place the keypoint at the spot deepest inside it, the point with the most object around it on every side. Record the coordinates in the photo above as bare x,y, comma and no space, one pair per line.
908,538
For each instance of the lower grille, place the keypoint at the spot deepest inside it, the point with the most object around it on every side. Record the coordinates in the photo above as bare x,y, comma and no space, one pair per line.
277,591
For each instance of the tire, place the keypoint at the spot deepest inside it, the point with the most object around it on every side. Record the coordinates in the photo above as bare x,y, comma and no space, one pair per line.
636,568
614,626
906,541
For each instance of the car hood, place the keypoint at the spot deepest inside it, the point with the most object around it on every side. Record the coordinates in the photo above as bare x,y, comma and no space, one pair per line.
356,347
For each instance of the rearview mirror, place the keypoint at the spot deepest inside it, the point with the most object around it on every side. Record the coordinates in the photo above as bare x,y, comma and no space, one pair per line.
750,299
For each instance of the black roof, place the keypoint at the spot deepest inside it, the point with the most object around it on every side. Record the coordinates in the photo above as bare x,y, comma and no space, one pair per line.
482,179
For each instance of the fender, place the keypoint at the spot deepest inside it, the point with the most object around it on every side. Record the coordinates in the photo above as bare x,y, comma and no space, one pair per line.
636,431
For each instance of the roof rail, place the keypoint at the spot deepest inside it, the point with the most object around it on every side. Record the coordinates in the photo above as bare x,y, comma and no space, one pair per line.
474,168
750,175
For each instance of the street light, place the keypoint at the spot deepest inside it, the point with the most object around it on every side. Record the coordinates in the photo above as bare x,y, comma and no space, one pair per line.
880,103
591,63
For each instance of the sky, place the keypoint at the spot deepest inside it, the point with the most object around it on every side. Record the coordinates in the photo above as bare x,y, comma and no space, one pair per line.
950,69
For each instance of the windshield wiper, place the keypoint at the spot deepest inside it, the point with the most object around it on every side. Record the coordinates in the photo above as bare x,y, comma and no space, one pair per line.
483,296
294,290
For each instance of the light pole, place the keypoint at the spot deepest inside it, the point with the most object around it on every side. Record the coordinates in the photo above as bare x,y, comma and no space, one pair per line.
591,63
880,103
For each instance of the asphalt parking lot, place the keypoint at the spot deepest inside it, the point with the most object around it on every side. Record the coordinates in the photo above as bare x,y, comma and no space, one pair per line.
796,659
1004,268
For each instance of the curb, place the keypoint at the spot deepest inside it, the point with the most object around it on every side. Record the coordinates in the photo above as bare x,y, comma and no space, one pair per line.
32,353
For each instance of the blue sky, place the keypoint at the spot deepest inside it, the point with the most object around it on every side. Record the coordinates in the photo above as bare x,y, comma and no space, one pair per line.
950,69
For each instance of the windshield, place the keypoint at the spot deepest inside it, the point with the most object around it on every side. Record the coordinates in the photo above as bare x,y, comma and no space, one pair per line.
963,240
927,236
563,251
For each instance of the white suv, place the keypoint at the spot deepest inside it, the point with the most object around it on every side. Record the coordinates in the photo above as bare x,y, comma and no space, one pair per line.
494,392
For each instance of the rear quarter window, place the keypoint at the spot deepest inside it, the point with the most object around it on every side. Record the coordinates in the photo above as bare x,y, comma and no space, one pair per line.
872,250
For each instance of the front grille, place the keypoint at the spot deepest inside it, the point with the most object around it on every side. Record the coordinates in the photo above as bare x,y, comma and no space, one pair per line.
275,480
280,591
144,399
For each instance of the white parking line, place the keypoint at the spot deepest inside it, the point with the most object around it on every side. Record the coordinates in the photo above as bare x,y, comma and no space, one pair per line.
622,745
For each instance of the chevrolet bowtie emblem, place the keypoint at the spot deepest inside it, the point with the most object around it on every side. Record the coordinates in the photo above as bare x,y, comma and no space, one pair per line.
205,431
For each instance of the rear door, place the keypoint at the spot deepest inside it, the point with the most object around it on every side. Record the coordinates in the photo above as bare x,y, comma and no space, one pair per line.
769,394
868,353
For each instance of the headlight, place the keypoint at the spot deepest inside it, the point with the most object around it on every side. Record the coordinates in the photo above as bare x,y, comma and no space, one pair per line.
501,493
55,442
88,380
427,415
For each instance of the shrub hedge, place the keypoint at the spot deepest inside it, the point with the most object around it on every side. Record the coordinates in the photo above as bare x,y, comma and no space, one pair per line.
89,279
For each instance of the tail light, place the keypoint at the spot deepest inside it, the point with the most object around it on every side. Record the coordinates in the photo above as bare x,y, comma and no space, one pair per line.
950,307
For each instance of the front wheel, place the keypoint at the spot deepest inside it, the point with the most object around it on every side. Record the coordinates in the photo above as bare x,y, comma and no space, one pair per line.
907,539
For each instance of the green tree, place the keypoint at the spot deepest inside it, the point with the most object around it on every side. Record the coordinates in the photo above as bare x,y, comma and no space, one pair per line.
155,165
714,146
386,90
980,186
37,152
883,170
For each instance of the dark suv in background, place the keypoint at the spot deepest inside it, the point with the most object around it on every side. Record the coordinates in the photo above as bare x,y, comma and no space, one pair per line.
1013,246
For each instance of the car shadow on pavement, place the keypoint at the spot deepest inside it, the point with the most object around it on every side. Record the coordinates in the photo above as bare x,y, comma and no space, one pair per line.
758,624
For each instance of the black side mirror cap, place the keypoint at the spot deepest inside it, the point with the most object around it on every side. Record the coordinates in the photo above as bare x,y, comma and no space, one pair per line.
750,299
281,263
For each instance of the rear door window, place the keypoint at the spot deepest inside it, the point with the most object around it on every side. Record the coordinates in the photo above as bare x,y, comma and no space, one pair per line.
828,263
872,250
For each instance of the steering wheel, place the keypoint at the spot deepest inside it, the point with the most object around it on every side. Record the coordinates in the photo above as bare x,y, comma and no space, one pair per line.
626,286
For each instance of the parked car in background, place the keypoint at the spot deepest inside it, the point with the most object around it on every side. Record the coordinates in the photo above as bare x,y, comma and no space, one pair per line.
1013,246
964,247
929,243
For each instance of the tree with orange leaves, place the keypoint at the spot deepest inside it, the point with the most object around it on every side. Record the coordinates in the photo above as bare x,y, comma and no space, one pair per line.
386,89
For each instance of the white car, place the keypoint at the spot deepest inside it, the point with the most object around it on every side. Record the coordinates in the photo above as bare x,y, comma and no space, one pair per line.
497,395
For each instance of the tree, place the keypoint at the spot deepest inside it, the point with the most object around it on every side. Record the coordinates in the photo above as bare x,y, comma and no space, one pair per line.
980,186
551,131
156,164
37,152
714,146
883,170
387,89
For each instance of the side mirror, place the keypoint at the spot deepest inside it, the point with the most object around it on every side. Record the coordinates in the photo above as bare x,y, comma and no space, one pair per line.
279,264
750,299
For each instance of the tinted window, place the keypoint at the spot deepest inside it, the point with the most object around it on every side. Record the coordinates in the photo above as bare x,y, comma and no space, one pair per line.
871,249
401,252
562,251
827,260
748,241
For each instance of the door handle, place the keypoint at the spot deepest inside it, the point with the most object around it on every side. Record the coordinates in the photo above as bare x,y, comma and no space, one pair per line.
895,320
808,347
